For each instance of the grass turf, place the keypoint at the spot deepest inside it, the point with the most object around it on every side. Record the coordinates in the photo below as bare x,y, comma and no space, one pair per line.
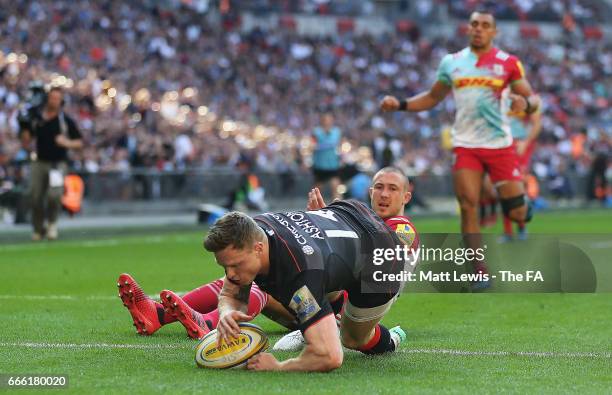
64,294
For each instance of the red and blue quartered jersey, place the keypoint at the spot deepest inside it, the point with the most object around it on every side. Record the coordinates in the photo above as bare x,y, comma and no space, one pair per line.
478,82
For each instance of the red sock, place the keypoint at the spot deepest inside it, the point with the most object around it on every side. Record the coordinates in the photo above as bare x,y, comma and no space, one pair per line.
507,226
203,300
257,301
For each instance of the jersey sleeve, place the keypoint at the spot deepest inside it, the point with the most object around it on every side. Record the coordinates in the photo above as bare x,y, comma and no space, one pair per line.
443,74
306,298
517,71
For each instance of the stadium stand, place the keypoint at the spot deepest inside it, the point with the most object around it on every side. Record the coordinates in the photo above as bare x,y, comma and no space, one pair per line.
177,85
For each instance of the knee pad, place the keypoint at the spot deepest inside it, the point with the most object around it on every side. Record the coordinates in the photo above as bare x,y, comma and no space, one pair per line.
515,202
510,204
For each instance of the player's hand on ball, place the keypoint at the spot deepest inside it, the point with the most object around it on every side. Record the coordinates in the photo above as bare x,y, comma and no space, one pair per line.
263,361
389,103
315,200
228,328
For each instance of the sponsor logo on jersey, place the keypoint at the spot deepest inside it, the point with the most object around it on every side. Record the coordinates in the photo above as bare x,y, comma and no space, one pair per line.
304,304
305,224
406,234
301,240
300,222
502,55
488,82
308,250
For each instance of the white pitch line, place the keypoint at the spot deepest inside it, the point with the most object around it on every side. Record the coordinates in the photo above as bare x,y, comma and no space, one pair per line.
601,244
96,243
56,297
415,351
88,345
71,297
511,353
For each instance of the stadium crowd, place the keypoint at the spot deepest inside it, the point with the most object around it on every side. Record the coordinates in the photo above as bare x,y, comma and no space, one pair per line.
161,87
540,10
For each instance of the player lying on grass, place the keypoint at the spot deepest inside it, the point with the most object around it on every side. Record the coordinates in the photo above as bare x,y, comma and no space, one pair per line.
298,258
197,309
389,194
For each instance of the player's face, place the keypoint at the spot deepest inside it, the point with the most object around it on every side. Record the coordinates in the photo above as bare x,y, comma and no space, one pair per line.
241,265
481,30
389,194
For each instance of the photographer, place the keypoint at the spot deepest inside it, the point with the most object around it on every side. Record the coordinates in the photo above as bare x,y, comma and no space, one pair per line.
54,133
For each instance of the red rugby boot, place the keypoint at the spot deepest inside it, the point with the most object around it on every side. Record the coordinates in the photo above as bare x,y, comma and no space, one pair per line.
192,320
142,308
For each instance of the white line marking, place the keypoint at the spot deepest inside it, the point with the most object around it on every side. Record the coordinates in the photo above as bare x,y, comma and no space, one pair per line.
96,243
510,353
89,345
461,353
415,351
601,244
56,297
72,297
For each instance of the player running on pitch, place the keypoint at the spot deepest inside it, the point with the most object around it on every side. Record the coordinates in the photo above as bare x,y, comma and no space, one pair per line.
298,258
481,137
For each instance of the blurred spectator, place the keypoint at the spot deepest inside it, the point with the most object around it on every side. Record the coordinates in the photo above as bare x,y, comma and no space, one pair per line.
249,194
13,205
326,156
597,184
386,149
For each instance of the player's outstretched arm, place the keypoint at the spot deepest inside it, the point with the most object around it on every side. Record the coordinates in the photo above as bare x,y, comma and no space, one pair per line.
323,351
421,102
233,305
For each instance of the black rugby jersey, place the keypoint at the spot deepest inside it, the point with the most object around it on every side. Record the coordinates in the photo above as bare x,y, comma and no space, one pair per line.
313,253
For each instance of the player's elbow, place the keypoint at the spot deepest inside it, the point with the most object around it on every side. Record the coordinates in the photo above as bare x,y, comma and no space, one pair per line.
332,361
327,359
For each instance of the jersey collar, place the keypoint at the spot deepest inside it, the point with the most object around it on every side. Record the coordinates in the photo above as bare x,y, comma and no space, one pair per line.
489,53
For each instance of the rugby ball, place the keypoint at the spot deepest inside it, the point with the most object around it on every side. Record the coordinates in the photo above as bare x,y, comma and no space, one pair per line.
233,354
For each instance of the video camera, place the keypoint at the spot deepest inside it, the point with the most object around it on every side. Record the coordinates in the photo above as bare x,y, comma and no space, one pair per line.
32,108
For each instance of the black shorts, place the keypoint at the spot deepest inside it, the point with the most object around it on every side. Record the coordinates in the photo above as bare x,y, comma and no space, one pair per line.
321,175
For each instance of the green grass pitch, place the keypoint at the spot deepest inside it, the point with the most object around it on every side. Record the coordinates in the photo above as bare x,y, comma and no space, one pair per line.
59,313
